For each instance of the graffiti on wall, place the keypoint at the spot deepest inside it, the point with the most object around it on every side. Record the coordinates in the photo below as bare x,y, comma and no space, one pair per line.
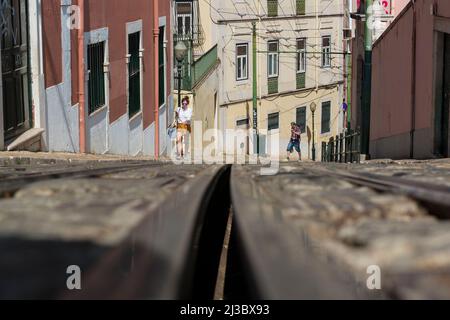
386,4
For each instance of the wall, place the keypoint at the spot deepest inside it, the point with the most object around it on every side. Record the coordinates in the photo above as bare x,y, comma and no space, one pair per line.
392,102
62,131
391,75
204,108
110,130
287,106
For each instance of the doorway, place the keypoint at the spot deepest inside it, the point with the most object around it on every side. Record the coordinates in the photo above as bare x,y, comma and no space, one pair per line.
15,71
442,112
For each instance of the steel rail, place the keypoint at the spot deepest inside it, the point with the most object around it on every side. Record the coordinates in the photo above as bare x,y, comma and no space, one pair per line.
167,247
275,256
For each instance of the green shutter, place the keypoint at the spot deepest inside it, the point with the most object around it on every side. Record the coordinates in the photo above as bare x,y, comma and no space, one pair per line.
272,85
272,8
326,117
96,82
301,79
162,84
301,7
134,75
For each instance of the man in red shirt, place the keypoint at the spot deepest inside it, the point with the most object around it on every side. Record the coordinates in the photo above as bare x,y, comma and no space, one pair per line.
294,142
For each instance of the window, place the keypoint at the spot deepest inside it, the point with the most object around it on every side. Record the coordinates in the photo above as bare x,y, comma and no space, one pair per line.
96,82
243,123
300,7
301,118
326,116
274,121
272,8
301,55
326,51
184,18
134,74
272,68
162,67
241,61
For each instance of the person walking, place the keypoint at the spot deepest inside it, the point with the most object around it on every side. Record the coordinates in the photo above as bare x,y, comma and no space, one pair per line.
294,142
183,117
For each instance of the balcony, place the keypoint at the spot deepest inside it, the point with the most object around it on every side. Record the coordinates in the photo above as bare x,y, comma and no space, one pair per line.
196,35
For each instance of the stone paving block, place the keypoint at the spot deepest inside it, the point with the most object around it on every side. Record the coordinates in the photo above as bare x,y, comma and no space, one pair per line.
355,227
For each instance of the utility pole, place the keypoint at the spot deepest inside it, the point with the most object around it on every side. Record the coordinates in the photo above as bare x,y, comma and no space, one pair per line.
367,80
255,91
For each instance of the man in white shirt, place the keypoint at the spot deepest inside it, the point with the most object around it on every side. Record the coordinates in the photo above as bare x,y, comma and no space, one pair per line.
184,118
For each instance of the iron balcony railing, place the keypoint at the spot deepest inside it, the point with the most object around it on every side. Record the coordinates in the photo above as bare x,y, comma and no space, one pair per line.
196,35
344,148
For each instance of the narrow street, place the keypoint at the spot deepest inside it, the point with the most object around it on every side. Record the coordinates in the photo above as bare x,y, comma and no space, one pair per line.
225,150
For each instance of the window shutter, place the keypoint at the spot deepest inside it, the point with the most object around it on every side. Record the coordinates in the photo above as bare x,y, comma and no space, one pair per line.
301,7
326,116
272,8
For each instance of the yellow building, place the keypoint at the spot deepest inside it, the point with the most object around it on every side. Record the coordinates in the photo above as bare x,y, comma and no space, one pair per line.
300,60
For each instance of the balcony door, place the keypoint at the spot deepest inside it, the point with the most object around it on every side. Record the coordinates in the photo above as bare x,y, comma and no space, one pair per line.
184,19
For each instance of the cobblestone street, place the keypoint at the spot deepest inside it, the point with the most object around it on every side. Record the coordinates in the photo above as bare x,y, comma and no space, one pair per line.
59,212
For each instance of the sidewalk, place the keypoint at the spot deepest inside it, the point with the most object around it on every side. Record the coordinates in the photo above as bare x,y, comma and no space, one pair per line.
25,157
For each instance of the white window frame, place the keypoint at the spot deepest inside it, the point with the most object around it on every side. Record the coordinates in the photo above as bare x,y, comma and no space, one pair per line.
278,122
94,37
326,53
301,56
240,62
275,58
134,27
184,16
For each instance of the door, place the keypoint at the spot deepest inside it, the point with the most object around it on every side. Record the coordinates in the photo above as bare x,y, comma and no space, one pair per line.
444,114
14,57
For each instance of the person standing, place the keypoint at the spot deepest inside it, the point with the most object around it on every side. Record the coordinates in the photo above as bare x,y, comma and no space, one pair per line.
184,118
294,142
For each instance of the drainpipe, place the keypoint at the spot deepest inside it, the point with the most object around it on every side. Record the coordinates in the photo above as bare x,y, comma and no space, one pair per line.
156,71
81,94
413,81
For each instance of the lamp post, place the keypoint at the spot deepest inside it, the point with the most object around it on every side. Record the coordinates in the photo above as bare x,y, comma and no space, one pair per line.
313,108
180,53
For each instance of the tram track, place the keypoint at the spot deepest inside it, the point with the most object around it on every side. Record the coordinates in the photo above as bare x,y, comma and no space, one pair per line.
174,252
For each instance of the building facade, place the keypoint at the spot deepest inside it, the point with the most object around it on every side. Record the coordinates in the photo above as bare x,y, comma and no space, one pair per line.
300,59
411,84
382,14
199,69
119,66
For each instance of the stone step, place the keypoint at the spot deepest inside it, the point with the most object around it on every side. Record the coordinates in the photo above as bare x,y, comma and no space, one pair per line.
31,140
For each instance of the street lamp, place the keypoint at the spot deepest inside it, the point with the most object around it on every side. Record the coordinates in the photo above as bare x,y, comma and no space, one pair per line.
180,53
313,108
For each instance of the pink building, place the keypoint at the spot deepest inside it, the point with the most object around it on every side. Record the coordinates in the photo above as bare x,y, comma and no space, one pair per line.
385,14
411,84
